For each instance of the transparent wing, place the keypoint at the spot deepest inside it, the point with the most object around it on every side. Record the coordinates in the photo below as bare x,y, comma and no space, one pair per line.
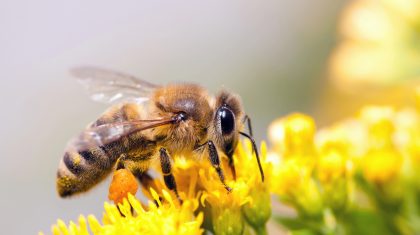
111,132
112,87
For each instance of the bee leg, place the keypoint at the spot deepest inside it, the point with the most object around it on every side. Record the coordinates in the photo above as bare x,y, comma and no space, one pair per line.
120,163
168,177
215,162
123,182
232,165
248,120
145,179
147,182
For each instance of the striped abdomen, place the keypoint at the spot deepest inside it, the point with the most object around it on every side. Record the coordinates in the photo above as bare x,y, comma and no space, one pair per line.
83,167
80,170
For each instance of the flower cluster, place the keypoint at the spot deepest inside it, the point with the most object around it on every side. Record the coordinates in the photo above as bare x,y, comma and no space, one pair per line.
130,217
359,176
206,204
379,43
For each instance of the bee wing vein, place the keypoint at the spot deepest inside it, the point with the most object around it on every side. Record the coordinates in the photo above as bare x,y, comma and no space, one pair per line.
110,132
111,87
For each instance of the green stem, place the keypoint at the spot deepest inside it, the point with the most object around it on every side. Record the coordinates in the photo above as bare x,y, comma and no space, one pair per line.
261,230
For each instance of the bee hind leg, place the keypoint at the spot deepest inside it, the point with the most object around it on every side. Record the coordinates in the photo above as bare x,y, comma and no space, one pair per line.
147,182
123,182
168,177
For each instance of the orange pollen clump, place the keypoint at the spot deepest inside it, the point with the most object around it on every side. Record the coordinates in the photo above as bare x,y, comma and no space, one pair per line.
123,182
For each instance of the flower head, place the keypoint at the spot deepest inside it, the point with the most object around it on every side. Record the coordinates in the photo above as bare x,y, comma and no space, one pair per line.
378,43
130,217
206,204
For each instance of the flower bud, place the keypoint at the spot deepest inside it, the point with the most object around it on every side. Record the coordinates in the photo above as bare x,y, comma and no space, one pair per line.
293,135
258,210
227,221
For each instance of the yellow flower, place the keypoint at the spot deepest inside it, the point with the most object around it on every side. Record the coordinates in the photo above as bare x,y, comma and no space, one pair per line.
382,162
335,166
379,124
381,166
293,137
258,210
314,172
206,202
294,185
248,204
379,44
407,137
225,208
334,149
292,178
291,175
167,218
331,167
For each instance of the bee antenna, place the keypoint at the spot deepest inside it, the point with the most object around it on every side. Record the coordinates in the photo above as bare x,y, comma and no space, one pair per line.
254,148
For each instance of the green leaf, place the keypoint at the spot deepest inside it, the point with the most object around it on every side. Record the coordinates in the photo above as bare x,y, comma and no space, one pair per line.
303,232
298,225
363,222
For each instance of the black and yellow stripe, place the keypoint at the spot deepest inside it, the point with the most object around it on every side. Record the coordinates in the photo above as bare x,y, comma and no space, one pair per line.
81,169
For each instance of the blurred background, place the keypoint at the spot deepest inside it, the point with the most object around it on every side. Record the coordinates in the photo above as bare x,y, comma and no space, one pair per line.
279,56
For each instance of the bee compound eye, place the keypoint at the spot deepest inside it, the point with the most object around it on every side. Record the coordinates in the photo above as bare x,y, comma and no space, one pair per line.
226,120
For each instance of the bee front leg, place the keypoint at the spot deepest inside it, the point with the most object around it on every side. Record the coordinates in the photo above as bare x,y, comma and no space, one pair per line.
215,162
165,163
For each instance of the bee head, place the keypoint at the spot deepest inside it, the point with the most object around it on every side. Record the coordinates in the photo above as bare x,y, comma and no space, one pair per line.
227,121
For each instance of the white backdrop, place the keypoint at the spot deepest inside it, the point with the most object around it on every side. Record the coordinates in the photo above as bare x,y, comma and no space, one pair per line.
270,52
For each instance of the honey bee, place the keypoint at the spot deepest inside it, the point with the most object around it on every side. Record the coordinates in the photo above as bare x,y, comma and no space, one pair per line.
147,122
